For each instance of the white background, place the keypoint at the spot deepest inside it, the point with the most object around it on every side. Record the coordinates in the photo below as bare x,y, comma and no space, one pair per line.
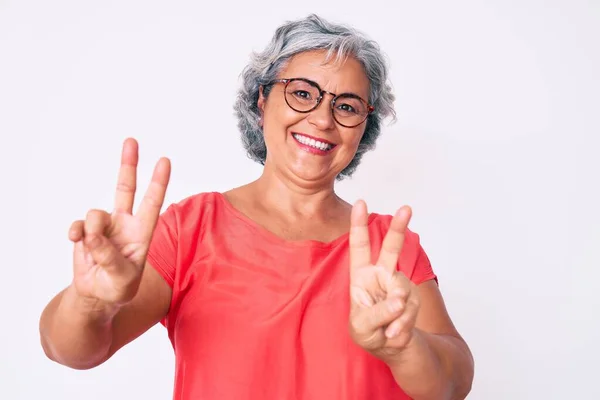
495,148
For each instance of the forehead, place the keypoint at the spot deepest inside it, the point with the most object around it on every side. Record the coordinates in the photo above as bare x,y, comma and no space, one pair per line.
347,76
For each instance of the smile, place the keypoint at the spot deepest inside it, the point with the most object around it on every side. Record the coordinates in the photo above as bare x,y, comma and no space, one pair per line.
316,144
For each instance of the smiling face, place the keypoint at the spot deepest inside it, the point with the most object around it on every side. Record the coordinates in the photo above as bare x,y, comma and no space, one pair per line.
312,147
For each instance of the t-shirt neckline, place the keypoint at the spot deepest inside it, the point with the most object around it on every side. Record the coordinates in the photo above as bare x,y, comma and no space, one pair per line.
272,237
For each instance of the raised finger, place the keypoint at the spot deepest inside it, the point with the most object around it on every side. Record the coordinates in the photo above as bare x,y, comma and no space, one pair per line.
394,239
76,231
155,195
360,245
126,183
96,222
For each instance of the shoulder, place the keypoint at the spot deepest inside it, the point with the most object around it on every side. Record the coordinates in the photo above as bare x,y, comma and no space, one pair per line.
189,215
380,223
194,207
194,203
413,260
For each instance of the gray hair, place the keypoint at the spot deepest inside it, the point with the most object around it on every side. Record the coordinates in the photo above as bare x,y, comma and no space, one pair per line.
312,33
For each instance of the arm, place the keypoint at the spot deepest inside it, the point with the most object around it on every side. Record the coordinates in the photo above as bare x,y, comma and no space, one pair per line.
115,295
437,363
403,324
81,334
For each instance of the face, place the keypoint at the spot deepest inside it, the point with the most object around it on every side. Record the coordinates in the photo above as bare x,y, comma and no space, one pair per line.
288,133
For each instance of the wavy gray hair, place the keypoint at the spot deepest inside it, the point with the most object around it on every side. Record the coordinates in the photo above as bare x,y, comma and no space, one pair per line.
312,33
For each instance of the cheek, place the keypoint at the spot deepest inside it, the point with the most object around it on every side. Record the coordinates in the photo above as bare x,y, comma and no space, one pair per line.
352,138
277,119
278,113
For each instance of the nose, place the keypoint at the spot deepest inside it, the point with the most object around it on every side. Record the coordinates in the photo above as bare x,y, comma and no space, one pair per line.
322,117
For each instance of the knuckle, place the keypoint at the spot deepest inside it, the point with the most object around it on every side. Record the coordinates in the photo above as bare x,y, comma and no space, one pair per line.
391,247
359,242
395,306
359,324
96,218
93,214
152,201
401,278
356,328
401,281
415,302
377,316
352,323
126,187
400,292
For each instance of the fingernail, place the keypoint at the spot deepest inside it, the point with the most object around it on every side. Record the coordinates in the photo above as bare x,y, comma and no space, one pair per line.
396,305
392,331
365,299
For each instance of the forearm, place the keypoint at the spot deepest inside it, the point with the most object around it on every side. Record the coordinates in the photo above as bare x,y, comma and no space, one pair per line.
434,367
76,332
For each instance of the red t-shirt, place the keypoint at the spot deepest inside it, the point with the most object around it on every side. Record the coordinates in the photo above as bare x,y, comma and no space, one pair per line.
256,317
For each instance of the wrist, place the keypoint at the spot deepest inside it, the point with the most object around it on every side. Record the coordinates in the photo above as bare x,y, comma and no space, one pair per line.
415,344
92,309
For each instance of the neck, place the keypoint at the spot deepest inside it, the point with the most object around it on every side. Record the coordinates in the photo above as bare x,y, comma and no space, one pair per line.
280,194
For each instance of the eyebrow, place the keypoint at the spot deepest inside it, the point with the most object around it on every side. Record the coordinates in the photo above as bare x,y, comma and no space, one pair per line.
337,94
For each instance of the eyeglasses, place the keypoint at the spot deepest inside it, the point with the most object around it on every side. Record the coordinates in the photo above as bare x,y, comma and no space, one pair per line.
303,95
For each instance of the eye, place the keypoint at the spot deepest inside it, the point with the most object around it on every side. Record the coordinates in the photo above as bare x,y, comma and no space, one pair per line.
303,94
347,108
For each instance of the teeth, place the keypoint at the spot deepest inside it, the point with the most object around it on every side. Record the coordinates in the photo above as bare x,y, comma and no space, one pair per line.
313,143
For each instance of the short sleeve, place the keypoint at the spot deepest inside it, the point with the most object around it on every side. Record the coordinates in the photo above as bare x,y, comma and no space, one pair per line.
413,260
162,254
422,271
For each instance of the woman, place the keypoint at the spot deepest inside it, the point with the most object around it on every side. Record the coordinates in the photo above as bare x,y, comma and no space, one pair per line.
278,289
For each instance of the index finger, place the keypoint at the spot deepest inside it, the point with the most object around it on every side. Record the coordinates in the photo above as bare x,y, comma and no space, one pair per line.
360,245
152,202
126,183
394,239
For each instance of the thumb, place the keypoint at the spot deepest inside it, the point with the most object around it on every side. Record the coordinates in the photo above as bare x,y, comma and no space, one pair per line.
381,314
103,251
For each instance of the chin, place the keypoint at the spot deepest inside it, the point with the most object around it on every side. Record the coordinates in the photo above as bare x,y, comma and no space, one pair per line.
312,174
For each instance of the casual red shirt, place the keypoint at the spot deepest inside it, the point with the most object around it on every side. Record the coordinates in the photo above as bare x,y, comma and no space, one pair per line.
256,317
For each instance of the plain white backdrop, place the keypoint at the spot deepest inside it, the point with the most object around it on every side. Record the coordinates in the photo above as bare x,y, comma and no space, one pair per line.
495,148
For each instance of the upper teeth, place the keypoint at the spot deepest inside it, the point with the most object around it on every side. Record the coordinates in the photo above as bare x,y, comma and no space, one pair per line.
312,142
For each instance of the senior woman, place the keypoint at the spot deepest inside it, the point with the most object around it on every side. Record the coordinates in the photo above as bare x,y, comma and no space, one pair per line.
277,289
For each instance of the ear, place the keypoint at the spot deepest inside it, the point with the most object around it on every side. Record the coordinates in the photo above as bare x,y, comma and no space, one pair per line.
261,100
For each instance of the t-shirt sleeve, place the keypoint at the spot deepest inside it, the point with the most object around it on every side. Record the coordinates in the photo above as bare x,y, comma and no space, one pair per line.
414,262
422,271
162,254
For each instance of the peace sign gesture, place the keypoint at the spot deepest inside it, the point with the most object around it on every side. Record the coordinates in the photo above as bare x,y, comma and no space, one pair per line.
110,249
384,302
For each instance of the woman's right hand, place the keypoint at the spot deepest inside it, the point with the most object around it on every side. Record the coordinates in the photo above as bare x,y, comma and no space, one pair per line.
110,249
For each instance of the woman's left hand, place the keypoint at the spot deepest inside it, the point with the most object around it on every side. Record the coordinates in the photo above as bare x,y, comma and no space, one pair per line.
384,302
